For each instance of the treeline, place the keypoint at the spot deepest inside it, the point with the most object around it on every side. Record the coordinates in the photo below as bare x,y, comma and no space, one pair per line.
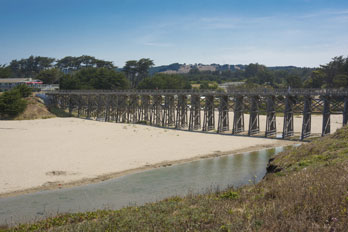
255,74
87,72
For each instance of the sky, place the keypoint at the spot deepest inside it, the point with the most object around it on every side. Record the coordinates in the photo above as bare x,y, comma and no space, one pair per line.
303,33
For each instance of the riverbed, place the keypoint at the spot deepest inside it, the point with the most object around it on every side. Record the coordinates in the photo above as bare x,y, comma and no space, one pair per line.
194,177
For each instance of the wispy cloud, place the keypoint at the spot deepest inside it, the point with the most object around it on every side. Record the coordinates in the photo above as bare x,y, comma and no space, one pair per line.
158,44
325,13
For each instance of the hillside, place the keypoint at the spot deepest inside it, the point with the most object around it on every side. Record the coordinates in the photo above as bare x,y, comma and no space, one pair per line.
306,189
177,68
35,109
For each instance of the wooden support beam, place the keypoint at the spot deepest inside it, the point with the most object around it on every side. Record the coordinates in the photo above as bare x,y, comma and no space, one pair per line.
132,111
254,120
238,117
288,125
209,113
70,104
157,111
307,118
195,113
169,111
271,123
145,108
326,117
345,111
181,112
121,113
223,122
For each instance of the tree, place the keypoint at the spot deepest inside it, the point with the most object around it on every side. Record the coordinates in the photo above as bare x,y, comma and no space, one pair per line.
136,71
293,81
5,71
165,81
31,66
71,63
131,70
316,80
332,75
94,78
11,104
50,76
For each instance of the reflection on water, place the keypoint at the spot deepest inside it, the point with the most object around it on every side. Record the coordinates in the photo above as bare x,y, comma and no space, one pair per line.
139,188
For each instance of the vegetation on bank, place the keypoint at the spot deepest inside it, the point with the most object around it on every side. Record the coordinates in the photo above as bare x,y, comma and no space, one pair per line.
13,102
306,189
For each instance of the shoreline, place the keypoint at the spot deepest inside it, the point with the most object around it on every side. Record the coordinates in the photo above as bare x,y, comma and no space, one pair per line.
108,176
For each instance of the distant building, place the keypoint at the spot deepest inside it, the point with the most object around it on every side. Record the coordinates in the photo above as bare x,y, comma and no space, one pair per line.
9,83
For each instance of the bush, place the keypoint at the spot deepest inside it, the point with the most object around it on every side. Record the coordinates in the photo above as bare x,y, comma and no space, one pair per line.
165,81
24,90
11,104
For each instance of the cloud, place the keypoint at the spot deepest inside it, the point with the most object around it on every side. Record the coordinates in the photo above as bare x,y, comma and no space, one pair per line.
158,44
325,13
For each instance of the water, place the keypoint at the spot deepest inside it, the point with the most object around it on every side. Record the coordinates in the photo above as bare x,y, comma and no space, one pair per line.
136,189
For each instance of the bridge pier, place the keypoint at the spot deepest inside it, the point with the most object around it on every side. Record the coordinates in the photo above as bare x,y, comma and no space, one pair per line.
169,111
223,122
70,104
79,105
209,113
271,123
254,120
288,126
345,111
145,108
133,109
100,104
157,110
326,117
238,117
181,118
195,113
121,112
307,118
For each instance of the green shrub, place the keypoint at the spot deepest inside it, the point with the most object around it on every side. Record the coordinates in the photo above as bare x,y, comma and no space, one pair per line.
24,90
11,104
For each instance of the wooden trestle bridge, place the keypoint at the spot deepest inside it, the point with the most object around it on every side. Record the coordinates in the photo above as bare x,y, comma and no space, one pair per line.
183,108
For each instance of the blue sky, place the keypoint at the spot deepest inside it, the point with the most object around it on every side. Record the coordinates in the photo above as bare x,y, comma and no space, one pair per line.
288,32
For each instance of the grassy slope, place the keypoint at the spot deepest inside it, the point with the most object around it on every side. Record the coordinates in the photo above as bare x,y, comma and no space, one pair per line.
35,109
307,191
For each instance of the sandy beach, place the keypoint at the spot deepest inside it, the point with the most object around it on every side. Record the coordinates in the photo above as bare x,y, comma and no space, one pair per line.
62,152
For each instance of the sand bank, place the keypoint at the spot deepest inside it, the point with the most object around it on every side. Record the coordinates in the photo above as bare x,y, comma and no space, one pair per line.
61,152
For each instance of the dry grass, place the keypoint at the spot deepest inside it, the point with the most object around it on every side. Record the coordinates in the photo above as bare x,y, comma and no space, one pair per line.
35,110
306,191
